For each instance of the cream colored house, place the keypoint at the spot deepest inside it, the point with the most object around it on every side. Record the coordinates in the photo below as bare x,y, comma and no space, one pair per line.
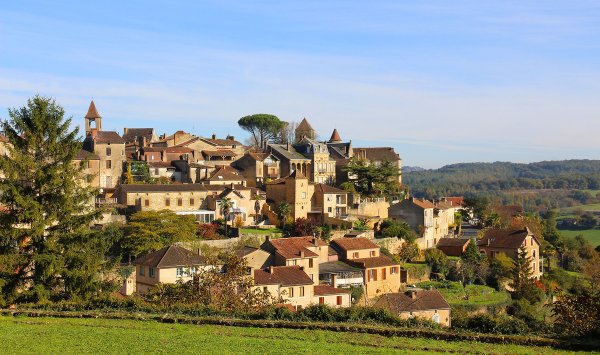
331,296
419,214
258,168
295,190
167,265
322,167
496,241
306,252
425,304
381,274
290,283
242,200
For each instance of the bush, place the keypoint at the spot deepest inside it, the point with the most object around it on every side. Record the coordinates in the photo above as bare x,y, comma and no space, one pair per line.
437,261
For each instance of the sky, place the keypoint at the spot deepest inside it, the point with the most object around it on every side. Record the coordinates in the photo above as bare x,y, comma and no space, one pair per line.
440,81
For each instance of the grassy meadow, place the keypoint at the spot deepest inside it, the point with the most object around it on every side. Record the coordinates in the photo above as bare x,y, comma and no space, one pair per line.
23,335
471,295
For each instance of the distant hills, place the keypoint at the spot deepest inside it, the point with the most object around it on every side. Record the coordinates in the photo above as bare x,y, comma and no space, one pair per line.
411,169
500,178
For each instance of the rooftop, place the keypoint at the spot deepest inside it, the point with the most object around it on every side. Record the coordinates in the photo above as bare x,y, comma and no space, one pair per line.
358,243
282,275
405,302
171,256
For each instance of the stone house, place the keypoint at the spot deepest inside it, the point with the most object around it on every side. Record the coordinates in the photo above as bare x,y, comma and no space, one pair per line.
307,252
425,304
290,283
507,241
91,168
258,168
381,274
139,137
419,214
223,176
256,258
290,160
322,167
333,202
167,265
332,296
108,146
242,203
453,246
295,190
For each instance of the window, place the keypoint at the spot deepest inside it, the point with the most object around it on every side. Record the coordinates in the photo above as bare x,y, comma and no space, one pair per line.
372,253
534,268
329,209
191,201
167,202
383,273
179,201
146,202
303,194
151,272
339,300
301,291
180,272
321,300
88,164
142,271
355,255
310,262
530,241
393,270
290,292
156,171
372,275
108,151
534,253
108,164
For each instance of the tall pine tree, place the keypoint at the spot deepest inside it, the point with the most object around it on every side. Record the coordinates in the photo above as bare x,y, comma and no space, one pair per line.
46,246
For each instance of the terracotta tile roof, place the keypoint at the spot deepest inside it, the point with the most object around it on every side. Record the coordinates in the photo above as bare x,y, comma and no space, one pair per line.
84,154
456,200
452,242
218,153
377,153
335,136
504,238
222,174
324,290
165,187
348,244
367,263
136,133
221,142
327,189
105,137
92,111
282,275
423,203
171,256
403,302
290,248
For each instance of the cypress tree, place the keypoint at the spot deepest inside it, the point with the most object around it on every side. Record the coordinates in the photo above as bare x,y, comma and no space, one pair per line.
46,246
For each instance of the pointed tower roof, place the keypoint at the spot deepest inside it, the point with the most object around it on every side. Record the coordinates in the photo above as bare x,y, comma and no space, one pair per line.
92,111
335,136
304,125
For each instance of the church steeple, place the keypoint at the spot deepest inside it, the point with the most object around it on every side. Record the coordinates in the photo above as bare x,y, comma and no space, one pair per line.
304,129
92,116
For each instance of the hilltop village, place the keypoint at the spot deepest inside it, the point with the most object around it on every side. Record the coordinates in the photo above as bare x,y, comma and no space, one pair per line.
249,191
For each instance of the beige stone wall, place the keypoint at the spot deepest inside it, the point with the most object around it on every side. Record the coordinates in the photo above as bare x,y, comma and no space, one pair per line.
443,316
156,201
90,172
285,292
331,300
377,208
392,244
110,177
389,284
322,169
362,253
533,251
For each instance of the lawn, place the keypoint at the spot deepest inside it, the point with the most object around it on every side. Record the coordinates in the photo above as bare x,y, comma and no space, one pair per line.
475,295
591,235
590,207
22,335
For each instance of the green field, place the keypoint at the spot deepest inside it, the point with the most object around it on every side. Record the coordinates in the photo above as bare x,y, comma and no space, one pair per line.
590,207
22,335
591,235
273,231
475,295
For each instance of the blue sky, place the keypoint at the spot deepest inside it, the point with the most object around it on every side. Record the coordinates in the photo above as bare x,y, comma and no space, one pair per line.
441,81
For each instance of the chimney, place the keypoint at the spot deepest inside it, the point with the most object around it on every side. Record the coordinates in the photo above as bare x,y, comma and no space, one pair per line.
268,238
214,136
333,280
232,186
315,241
302,253
271,270
288,146
231,138
144,141
125,130
413,294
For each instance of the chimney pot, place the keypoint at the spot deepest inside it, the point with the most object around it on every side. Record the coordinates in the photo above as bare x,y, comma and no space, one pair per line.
271,269
301,253
413,295
214,136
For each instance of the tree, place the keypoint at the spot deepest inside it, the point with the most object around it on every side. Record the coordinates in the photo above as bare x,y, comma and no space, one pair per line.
501,268
264,127
47,211
283,211
521,278
304,227
225,206
148,231
577,315
393,228
437,261
473,266
129,175
370,179
257,198
409,252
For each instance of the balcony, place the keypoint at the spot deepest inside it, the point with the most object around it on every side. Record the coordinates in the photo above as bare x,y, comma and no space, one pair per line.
104,201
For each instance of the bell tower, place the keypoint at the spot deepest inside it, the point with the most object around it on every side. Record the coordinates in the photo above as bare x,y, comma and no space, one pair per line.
92,116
